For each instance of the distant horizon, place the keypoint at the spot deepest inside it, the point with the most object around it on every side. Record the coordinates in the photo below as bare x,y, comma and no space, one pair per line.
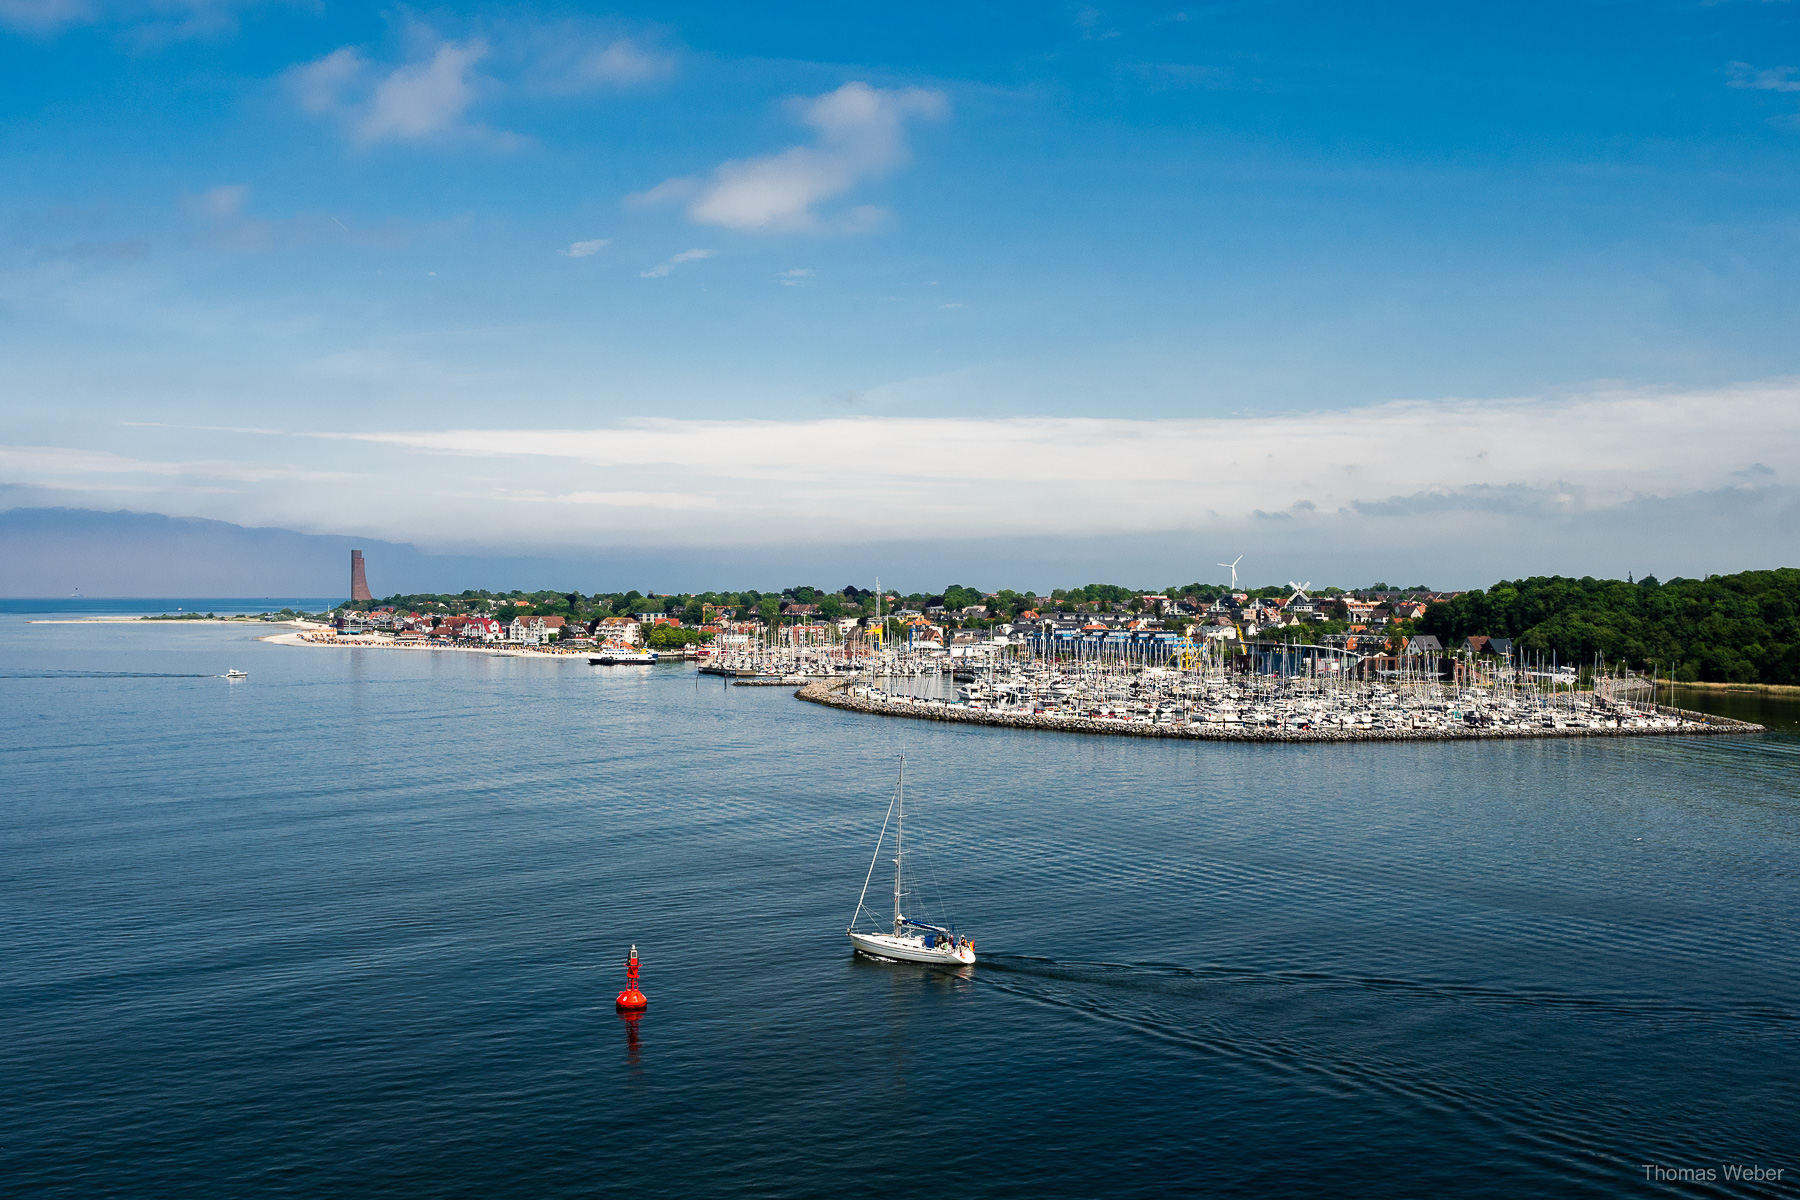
35,541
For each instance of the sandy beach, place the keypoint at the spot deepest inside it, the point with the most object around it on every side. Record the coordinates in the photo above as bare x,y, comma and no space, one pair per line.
500,649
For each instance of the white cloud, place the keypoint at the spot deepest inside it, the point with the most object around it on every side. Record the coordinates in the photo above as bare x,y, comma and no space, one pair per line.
677,501
1092,476
431,94
623,63
40,15
1770,79
565,58
859,134
424,99
686,256
1646,479
587,249
668,189
320,85
1090,22
64,468
795,277
156,18
221,203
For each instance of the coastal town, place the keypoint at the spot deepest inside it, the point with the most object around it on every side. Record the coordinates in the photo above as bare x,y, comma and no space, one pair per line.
1281,663
1103,620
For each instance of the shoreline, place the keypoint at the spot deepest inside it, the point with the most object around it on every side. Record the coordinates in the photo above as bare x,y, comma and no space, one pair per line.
499,649
829,694
1749,689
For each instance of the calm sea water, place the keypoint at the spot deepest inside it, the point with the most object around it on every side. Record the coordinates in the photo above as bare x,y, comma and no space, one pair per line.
80,606
353,926
1776,710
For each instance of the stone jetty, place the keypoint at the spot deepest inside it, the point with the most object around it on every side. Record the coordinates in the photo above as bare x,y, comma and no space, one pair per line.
832,693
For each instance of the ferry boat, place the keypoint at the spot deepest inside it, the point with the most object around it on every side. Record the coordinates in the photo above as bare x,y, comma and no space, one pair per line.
622,656
910,940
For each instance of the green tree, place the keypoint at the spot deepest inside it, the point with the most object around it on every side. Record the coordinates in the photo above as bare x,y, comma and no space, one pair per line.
956,596
1725,628
673,637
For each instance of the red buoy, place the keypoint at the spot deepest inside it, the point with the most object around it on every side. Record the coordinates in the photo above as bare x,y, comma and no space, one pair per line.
631,1000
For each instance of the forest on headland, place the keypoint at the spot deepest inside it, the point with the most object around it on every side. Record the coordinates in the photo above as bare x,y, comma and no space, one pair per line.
1742,628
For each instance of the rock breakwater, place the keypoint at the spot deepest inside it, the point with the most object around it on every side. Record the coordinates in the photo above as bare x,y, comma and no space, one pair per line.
833,694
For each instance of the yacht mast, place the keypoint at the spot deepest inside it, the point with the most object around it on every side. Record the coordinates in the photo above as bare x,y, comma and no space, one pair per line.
899,841
873,859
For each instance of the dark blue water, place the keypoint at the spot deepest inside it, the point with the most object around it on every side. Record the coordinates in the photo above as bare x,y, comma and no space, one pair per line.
353,926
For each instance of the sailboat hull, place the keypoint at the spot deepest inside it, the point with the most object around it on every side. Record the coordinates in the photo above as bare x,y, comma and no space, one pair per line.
911,949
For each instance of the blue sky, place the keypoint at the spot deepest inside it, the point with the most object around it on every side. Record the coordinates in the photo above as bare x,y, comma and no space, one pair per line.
1322,280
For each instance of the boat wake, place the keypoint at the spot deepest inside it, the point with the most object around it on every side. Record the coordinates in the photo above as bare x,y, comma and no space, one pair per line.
1176,980
1267,1024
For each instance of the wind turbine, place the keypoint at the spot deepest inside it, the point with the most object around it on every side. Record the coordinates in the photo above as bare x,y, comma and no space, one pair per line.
1233,565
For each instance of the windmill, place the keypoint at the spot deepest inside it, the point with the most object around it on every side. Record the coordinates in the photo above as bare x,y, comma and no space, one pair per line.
1299,589
1233,565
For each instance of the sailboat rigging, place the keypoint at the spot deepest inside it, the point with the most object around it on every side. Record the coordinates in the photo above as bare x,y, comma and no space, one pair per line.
910,940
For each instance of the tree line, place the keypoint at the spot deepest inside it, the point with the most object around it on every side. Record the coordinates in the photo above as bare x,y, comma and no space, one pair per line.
1742,628
849,601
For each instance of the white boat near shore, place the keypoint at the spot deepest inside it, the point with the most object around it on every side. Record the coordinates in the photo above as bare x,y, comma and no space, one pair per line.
628,657
909,940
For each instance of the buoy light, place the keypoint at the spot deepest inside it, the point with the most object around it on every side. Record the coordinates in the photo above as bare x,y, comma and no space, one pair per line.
631,1000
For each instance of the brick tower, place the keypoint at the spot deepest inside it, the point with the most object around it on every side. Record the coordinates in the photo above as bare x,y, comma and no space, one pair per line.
359,583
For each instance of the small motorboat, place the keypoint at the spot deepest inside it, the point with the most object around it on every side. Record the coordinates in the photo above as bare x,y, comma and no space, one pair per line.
234,673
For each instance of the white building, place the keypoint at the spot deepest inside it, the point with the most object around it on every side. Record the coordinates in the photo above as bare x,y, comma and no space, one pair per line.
621,631
533,631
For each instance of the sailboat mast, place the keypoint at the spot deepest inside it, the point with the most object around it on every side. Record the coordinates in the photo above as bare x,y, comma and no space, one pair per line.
899,841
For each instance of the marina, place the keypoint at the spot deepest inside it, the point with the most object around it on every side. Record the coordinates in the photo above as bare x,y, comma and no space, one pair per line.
1287,694
1209,700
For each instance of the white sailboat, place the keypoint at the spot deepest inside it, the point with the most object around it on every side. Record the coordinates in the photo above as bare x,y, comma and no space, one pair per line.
910,940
